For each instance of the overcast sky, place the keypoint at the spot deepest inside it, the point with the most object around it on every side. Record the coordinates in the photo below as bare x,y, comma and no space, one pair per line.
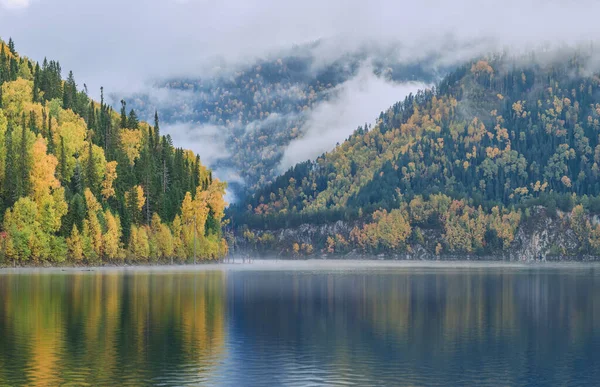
122,43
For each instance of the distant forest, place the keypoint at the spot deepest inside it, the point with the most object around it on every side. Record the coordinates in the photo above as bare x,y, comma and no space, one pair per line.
261,107
472,156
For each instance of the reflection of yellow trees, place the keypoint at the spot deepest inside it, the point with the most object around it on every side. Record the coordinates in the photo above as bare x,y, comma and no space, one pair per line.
472,306
94,327
421,316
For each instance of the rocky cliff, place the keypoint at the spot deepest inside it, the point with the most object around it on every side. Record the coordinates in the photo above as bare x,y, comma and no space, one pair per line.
540,237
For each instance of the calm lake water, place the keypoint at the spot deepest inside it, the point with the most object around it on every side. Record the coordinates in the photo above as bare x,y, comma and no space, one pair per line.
341,323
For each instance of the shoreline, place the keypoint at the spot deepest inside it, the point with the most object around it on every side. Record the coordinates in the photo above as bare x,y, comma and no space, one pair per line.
305,265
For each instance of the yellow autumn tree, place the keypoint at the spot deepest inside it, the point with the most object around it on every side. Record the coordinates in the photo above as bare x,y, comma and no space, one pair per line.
189,217
69,141
3,129
163,237
388,231
92,227
465,227
110,176
131,143
42,175
75,245
505,225
14,95
139,246
112,236
45,188
178,245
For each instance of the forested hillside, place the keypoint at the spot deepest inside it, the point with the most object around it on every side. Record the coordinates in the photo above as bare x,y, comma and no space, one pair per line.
256,110
471,157
82,183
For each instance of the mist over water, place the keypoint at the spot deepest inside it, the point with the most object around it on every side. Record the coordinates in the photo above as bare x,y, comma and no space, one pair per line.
357,323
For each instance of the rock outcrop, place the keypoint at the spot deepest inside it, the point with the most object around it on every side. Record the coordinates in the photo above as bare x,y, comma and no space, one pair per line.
540,237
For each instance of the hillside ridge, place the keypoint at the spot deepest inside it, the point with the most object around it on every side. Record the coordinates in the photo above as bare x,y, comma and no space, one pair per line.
471,157
83,184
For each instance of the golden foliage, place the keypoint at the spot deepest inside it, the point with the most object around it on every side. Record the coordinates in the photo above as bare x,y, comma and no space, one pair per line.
43,179
505,225
138,243
111,239
3,150
482,66
131,143
15,95
75,245
110,176
388,230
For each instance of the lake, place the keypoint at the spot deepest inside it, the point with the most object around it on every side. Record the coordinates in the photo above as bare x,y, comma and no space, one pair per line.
302,323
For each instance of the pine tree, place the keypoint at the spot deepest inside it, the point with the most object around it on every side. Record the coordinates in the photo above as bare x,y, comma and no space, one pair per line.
123,114
62,161
32,125
22,187
77,179
50,134
133,206
4,69
132,120
91,170
36,83
10,185
14,69
11,46
70,92
156,130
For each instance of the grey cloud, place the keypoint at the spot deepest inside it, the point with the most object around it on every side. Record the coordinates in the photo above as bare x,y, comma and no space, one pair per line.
127,45
206,140
122,44
354,102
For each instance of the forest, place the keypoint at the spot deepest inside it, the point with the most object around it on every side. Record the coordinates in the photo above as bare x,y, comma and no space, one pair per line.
262,106
497,138
81,183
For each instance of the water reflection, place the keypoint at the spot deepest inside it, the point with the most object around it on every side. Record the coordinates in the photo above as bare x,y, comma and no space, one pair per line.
103,327
497,326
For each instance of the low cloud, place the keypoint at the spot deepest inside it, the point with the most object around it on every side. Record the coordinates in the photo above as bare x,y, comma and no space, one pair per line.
206,140
353,103
209,142
122,44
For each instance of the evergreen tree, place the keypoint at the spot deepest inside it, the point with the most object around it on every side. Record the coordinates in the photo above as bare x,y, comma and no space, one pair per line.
32,124
62,165
132,120
36,83
22,186
10,185
123,114
11,46
91,178
33,176
156,130
70,92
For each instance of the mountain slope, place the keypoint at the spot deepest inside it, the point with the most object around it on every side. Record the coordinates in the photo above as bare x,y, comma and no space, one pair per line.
82,183
251,114
470,157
